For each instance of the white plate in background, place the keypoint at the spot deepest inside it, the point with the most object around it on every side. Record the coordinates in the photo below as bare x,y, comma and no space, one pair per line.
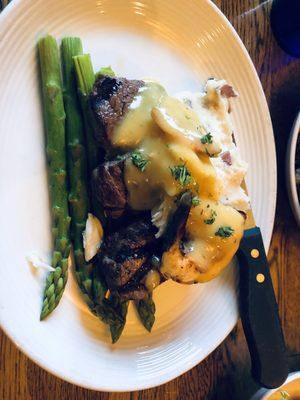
180,43
290,168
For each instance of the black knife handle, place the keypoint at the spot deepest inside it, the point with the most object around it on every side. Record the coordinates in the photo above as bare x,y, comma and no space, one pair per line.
259,313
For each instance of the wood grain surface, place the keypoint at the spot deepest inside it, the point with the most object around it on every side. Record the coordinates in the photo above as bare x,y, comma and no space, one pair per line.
225,374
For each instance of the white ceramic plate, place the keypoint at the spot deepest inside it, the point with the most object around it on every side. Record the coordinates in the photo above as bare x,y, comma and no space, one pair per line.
181,43
290,168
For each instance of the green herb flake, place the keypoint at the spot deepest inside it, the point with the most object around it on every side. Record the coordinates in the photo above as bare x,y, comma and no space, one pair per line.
181,174
195,201
284,395
211,220
138,160
224,231
105,71
119,157
206,139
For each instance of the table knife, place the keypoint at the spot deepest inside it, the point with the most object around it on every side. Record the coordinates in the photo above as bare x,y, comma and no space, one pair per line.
259,310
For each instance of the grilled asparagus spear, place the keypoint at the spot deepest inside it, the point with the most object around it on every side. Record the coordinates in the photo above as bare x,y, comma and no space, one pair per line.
54,115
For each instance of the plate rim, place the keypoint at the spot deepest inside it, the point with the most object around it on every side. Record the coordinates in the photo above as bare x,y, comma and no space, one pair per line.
7,13
290,168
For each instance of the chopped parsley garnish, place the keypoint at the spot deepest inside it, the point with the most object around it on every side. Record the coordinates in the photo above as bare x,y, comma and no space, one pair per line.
211,220
181,174
195,201
284,395
120,157
206,138
138,160
105,71
224,231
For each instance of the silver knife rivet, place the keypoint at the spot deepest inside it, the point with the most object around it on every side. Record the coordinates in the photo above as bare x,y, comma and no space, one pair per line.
260,278
254,253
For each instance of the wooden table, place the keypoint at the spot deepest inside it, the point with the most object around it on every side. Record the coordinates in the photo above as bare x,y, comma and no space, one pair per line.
225,373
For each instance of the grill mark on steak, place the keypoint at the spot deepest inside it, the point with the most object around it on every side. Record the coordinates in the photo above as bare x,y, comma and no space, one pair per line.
118,273
126,251
109,102
133,237
109,188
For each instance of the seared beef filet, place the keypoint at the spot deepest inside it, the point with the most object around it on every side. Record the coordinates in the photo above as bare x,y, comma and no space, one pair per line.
118,272
109,188
125,252
109,101
136,236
